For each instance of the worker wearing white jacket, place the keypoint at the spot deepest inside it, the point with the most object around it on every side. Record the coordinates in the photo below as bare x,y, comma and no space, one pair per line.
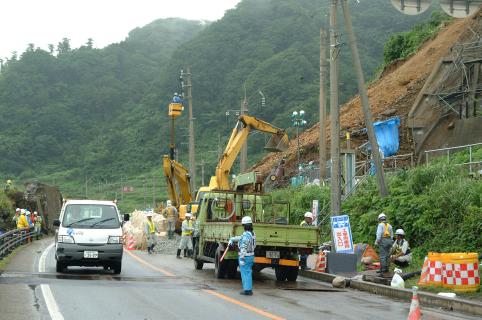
401,254
186,237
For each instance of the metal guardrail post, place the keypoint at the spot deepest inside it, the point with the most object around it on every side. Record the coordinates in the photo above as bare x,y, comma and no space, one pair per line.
426,158
470,159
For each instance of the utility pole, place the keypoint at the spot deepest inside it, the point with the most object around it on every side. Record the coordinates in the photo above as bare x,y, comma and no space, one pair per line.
334,115
243,166
382,186
153,191
192,152
322,142
202,172
145,196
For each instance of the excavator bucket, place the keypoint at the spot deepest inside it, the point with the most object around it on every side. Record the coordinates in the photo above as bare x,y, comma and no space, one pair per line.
278,143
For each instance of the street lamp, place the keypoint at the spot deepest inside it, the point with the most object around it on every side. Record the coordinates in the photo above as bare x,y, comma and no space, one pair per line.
298,120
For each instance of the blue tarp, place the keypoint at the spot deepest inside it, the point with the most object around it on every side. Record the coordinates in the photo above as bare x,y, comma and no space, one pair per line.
387,136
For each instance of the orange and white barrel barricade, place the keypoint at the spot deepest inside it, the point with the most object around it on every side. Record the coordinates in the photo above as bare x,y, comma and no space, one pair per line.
456,271
131,243
320,265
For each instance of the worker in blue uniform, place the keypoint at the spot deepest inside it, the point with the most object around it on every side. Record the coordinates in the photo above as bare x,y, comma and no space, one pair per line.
246,245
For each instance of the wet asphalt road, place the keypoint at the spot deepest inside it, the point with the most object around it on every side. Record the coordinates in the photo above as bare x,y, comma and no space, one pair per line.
162,287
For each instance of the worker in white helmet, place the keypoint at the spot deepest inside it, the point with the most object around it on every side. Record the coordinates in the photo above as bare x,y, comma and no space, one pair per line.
401,254
307,222
170,213
246,245
384,240
37,224
150,230
187,229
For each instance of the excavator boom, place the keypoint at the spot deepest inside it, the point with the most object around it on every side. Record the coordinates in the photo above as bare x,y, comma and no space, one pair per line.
278,142
178,182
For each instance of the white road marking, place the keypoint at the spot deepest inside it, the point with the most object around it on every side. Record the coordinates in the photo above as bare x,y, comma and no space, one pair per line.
52,306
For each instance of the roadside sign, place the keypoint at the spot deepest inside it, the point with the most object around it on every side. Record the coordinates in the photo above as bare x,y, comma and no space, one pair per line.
340,226
315,210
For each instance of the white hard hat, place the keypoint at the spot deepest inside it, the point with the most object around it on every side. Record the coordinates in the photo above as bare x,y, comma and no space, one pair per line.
18,209
382,216
168,202
22,211
308,215
28,213
35,212
246,220
188,215
400,232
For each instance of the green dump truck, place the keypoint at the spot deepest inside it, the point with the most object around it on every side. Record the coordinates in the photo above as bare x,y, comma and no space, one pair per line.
278,244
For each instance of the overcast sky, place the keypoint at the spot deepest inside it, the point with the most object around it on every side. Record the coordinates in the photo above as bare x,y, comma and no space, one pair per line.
106,21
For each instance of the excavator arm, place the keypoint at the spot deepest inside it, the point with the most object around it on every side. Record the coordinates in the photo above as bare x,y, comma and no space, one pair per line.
178,182
278,142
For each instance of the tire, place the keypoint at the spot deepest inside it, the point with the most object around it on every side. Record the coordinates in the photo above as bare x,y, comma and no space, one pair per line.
198,264
231,268
117,267
219,267
281,273
292,273
60,266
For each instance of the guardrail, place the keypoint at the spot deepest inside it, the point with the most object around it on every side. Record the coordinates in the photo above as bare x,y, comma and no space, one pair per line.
446,152
14,238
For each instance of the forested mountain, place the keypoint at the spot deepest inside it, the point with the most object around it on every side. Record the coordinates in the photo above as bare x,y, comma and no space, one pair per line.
105,110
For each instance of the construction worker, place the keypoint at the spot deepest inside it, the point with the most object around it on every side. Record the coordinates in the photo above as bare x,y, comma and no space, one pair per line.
150,230
384,240
246,245
308,222
23,224
186,237
37,224
16,216
401,254
8,185
170,213
176,98
196,233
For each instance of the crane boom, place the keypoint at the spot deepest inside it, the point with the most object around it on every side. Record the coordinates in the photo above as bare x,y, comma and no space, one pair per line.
278,142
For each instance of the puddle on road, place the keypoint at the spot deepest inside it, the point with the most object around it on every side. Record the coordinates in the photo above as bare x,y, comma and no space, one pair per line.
35,299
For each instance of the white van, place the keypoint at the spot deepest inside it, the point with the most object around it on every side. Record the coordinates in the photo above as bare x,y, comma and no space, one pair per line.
89,234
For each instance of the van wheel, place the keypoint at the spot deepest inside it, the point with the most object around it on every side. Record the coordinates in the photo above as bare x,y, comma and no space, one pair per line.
59,266
281,273
117,266
219,267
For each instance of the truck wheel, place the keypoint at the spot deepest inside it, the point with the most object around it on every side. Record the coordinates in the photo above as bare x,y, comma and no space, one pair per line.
59,266
281,273
219,267
231,268
198,264
292,273
117,266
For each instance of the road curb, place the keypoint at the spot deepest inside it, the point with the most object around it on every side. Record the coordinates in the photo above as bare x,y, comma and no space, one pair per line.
426,299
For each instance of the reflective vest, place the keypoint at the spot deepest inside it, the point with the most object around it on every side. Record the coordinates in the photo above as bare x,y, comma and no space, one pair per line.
186,228
170,213
305,224
386,231
150,224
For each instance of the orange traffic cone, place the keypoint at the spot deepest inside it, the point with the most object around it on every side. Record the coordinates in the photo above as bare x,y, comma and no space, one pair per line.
415,312
130,245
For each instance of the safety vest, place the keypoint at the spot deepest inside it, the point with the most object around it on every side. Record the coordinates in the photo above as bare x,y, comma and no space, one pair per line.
150,224
189,225
386,231
305,224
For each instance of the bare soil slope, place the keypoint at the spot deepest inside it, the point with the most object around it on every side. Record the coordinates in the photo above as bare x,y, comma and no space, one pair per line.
393,94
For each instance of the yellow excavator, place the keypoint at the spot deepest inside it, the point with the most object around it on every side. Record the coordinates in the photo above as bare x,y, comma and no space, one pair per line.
278,142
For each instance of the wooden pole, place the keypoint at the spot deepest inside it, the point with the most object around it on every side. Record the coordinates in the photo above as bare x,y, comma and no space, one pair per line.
322,142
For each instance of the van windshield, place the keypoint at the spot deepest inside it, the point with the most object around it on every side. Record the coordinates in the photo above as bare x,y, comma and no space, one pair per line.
90,216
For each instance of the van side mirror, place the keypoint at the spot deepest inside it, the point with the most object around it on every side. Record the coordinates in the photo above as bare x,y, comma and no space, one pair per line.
126,217
56,223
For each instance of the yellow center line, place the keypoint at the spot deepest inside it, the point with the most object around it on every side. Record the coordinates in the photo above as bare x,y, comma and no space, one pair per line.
211,292
147,264
244,305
